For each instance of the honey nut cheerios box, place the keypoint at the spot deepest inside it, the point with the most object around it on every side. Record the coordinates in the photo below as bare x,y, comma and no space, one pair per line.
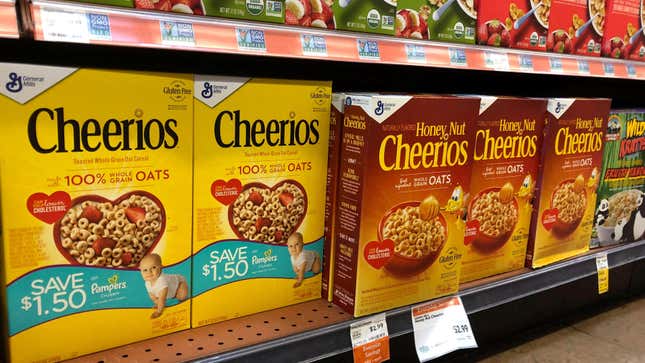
568,179
259,194
333,158
96,187
506,155
404,174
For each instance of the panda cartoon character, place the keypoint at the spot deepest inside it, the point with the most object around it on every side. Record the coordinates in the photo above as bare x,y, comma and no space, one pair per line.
632,228
602,212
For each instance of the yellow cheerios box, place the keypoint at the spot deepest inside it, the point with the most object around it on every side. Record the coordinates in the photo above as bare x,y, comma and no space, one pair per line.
259,194
96,181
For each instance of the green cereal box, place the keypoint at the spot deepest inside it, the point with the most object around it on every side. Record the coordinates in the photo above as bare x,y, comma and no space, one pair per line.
271,11
452,21
620,213
369,16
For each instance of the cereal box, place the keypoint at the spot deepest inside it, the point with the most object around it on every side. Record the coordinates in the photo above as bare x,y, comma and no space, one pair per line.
568,178
620,211
624,35
452,20
96,200
314,13
271,11
513,23
259,194
333,157
404,174
506,155
412,19
369,16
576,27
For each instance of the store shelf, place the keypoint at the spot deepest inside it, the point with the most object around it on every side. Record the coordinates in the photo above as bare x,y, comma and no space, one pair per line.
8,19
86,23
317,330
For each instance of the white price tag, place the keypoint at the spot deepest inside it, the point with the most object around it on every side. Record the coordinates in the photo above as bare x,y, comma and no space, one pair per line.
631,70
441,327
176,33
603,273
458,57
370,340
416,53
64,26
313,45
496,60
609,69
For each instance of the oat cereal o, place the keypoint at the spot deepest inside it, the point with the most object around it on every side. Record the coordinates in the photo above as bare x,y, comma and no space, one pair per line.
259,194
404,175
96,200
568,178
506,155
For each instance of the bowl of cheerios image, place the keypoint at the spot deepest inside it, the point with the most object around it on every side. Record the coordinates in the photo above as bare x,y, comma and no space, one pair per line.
268,214
497,214
100,232
417,241
570,199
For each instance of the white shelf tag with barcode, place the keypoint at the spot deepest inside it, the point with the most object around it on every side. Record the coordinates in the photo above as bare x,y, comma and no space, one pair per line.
441,327
631,70
583,67
603,273
556,64
370,340
64,26
496,60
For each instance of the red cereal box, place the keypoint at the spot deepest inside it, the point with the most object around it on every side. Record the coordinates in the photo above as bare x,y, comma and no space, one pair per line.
513,23
624,33
576,27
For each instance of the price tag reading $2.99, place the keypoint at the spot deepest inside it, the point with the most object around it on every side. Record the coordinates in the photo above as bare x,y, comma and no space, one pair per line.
441,327
370,340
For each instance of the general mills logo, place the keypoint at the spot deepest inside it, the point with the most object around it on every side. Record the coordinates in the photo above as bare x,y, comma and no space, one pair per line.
558,107
207,92
379,108
348,101
15,83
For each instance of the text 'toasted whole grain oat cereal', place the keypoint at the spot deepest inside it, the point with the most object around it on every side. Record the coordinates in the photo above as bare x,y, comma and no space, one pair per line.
506,155
404,174
620,211
259,194
96,198
568,179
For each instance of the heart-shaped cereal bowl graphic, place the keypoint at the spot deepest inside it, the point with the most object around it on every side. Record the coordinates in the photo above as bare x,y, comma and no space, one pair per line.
100,232
571,207
268,214
411,259
487,207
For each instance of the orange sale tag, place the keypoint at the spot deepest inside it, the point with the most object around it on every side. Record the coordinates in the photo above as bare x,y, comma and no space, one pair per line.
370,340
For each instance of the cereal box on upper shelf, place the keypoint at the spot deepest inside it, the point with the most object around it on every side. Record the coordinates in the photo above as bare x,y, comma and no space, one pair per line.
96,201
576,27
314,13
506,155
259,194
620,211
369,16
271,11
451,20
570,164
513,23
412,19
624,30
404,176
